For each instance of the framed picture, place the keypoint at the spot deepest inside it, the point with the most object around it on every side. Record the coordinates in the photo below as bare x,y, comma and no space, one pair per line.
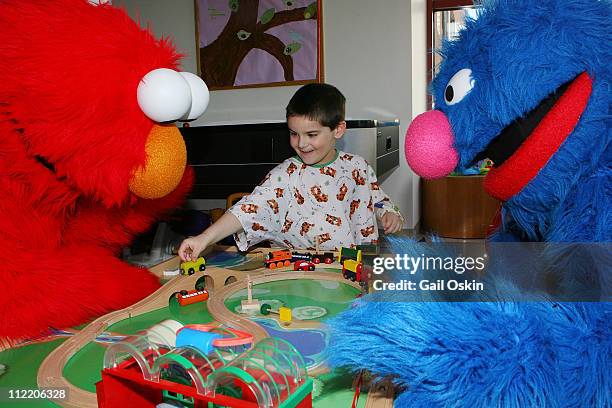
256,43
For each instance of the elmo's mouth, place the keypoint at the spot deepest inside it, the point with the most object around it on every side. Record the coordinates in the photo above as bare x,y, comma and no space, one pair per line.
524,147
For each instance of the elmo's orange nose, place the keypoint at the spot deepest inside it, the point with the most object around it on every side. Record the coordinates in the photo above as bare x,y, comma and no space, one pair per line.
165,164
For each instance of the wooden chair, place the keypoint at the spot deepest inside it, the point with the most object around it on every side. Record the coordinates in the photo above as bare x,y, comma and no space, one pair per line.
233,199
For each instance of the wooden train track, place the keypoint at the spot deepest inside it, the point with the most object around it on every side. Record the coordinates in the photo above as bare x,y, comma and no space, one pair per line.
50,373
216,304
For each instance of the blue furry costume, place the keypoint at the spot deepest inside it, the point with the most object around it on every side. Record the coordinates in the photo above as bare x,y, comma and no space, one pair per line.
528,85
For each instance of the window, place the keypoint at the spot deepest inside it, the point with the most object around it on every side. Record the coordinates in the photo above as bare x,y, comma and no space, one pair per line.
444,20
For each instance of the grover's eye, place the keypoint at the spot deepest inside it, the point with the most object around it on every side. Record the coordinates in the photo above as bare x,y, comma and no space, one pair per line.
459,85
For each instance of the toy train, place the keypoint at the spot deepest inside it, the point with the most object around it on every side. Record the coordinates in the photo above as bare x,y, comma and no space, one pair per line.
352,265
350,259
278,259
189,268
188,297
326,258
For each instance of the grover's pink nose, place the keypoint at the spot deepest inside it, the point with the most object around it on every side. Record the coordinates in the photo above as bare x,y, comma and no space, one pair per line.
429,145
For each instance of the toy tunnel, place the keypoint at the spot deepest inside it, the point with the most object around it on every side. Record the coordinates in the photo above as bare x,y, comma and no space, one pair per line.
271,374
135,353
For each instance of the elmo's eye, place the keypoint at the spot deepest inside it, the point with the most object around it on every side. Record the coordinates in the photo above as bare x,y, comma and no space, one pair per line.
459,85
164,95
199,96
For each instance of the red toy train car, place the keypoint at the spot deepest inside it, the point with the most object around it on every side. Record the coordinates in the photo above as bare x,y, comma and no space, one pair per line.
188,297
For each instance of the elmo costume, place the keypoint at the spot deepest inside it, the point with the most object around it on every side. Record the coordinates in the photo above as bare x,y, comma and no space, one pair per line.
84,165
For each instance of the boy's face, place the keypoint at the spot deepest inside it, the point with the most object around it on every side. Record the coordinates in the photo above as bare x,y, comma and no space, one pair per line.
314,143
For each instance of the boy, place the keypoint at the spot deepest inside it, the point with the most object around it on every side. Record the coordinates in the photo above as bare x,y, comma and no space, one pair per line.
319,195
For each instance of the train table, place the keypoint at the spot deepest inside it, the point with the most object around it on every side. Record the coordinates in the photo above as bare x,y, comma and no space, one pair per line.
251,332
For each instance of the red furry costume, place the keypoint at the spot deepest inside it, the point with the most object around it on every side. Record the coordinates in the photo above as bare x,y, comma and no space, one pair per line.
71,137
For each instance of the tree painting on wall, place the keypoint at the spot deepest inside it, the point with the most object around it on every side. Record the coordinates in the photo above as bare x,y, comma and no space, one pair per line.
250,43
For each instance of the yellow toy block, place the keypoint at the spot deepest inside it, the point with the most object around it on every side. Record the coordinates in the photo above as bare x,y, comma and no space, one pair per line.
284,314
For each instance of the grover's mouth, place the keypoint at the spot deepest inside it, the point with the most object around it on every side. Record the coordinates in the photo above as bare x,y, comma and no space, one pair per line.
525,145
512,137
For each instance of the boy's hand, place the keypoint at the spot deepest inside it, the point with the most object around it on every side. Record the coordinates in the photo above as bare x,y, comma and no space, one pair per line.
391,223
191,247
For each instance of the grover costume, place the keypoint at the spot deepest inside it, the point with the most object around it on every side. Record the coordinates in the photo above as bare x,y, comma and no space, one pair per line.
82,167
526,84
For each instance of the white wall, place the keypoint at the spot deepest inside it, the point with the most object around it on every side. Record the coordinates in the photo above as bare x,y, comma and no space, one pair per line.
174,19
368,55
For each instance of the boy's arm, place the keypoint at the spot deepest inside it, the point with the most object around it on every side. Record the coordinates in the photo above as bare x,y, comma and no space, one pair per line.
191,247
261,213
385,209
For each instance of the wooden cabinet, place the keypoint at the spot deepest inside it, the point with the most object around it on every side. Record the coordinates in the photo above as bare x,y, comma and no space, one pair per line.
456,207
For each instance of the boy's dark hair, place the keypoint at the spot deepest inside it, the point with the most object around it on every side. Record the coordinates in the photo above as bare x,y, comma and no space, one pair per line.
321,102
